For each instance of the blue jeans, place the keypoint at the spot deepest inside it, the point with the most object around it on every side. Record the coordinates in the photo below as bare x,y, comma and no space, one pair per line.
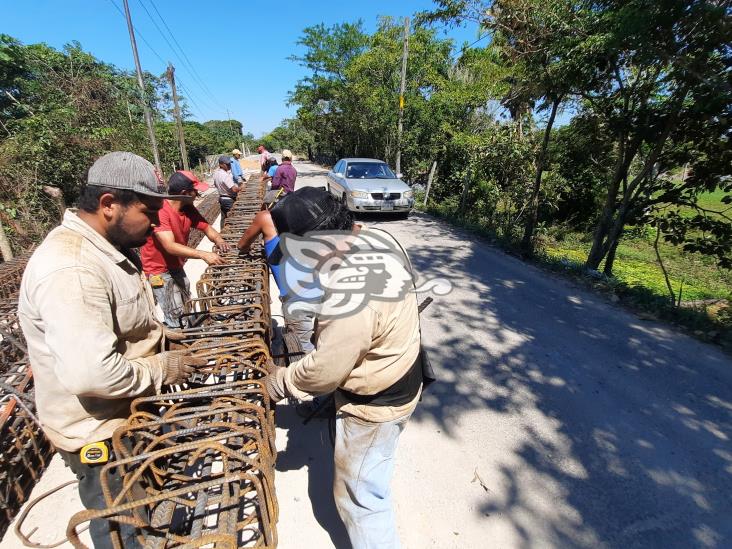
364,463
172,296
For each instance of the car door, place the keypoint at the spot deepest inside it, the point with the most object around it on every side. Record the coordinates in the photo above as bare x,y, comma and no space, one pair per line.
333,184
338,186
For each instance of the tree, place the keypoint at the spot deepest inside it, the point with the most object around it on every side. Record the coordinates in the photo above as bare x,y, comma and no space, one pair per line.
59,111
665,86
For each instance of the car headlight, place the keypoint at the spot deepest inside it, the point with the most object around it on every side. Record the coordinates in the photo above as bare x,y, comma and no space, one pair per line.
408,194
359,194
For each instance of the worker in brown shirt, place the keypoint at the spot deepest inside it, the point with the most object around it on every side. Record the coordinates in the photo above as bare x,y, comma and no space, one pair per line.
369,357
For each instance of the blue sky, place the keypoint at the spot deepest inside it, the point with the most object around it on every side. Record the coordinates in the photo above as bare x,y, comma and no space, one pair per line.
239,50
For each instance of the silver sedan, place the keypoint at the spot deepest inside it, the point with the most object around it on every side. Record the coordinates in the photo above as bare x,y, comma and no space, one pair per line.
369,185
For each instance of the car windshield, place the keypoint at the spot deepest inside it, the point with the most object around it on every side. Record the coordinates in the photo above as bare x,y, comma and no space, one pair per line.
369,170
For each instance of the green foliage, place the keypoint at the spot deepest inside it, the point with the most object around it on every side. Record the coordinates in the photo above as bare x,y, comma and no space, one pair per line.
648,143
349,105
226,133
59,111
290,134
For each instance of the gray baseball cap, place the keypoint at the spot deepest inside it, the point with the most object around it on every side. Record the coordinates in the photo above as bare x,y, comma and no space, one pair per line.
126,170
223,159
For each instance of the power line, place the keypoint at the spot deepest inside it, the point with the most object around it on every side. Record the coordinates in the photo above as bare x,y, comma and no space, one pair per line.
189,93
156,25
189,96
193,96
462,50
138,33
172,48
190,67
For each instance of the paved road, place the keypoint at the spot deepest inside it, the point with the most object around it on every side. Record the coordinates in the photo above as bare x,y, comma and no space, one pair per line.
561,421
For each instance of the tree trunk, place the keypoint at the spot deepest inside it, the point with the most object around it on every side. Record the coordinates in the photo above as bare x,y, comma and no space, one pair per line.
429,183
605,236
5,250
464,198
671,293
528,240
610,261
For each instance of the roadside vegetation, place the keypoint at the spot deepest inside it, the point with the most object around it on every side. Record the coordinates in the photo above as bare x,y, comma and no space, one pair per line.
590,136
59,110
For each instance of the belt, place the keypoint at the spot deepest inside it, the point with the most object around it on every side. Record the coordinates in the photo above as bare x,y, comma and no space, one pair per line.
399,393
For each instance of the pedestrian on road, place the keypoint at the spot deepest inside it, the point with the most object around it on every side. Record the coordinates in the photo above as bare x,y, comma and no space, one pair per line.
236,172
370,358
166,250
224,183
263,156
285,175
302,324
89,321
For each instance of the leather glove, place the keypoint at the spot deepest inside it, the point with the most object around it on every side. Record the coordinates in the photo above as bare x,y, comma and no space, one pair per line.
275,383
178,366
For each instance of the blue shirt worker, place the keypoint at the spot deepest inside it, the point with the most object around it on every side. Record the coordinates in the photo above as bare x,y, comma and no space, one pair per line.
236,171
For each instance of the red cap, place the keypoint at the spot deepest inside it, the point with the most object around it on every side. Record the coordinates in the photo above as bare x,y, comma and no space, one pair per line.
200,185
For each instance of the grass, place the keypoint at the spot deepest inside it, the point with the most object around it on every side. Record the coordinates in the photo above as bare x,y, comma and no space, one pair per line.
636,266
637,280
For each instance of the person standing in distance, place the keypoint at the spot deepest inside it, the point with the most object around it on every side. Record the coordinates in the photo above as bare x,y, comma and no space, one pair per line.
236,172
224,183
263,156
286,174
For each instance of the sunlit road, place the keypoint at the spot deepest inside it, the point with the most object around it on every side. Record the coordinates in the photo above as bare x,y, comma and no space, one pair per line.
561,420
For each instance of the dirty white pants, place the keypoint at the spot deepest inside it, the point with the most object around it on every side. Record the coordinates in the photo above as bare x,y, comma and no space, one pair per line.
302,324
364,464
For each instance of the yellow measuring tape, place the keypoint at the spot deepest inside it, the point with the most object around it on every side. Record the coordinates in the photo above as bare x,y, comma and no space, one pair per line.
96,452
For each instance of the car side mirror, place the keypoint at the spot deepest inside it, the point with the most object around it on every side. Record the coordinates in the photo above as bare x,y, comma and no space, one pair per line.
339,174
399,175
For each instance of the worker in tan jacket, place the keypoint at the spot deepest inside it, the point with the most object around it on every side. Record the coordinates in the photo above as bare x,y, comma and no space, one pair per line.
88,317
368,355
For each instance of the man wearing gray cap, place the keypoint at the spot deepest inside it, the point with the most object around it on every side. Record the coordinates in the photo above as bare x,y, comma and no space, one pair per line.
89,320
224,183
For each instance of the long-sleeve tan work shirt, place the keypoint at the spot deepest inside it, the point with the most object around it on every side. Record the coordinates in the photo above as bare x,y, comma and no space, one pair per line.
363,353
88,318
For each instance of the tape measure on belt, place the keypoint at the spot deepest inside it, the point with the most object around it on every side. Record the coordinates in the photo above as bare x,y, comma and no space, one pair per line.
96,452
156,281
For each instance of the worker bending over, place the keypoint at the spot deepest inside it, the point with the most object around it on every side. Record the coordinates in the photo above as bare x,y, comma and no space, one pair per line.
166,250
301,323
89,320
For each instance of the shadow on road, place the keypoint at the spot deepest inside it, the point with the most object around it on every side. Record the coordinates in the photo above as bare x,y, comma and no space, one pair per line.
309,446
620,428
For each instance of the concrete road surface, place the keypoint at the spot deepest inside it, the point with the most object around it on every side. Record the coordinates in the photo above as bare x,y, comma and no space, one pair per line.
561,420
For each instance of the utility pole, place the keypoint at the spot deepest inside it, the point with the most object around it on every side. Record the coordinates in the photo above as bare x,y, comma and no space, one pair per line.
141,83
176,112
231,126
400,128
